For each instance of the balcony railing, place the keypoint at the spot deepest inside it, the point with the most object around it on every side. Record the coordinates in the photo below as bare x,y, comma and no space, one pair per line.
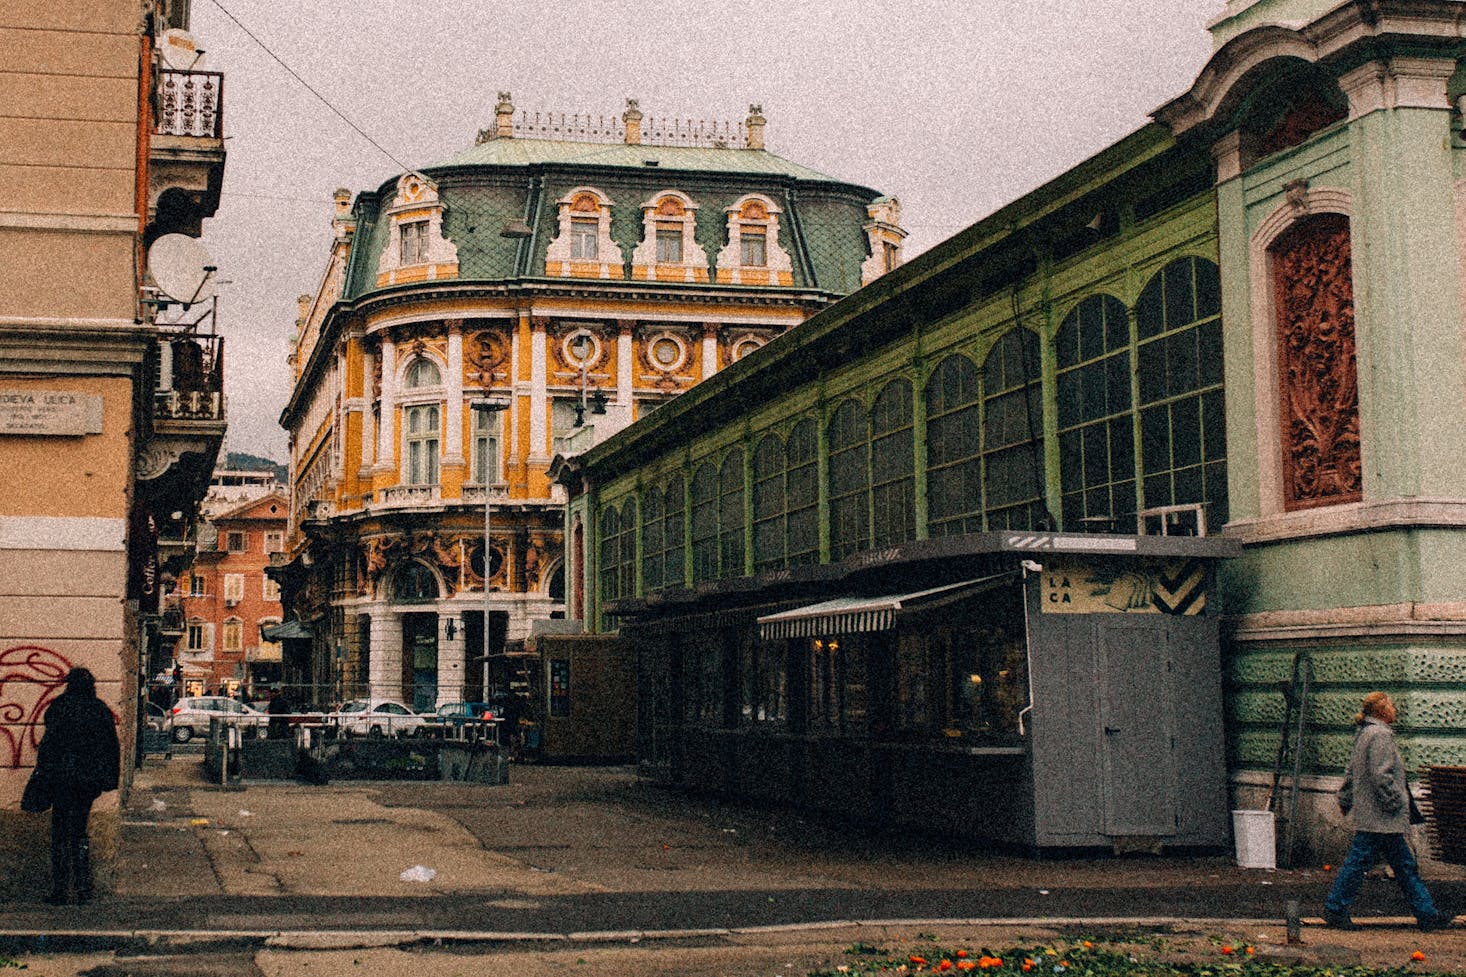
189,103
409,495
188,405
191,378
475,493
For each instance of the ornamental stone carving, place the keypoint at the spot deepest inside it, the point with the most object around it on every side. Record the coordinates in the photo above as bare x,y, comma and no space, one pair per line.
1314,298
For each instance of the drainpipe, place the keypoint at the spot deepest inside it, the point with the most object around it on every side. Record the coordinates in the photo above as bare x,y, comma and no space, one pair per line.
797,230
533,207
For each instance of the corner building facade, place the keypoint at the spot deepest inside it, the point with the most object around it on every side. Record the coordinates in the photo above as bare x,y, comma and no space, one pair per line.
1247,315
579,276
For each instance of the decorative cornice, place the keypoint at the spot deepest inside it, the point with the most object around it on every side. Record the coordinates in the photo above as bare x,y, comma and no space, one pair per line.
1354,517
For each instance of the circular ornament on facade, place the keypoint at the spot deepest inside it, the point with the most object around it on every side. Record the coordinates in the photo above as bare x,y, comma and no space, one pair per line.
476,561
581,349
745,346
666,352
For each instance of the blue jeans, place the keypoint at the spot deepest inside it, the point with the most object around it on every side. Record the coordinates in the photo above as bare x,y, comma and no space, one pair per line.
1367,849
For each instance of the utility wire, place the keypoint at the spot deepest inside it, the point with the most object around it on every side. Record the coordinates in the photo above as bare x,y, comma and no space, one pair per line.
308,87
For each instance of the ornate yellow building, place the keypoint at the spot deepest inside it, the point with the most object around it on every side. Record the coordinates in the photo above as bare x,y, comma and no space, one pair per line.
577,274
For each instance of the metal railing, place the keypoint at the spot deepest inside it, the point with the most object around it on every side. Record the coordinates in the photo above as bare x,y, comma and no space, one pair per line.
188,103
189,405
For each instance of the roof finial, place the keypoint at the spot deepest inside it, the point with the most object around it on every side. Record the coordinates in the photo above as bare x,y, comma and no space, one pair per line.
754,127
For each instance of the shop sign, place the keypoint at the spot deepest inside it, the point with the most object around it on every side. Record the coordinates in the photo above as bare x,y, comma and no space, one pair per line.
1173,587
49,413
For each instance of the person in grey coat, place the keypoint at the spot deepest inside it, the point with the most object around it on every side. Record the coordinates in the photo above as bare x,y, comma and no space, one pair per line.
1375,798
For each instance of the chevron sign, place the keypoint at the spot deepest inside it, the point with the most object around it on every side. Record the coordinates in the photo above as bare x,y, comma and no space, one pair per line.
1180,588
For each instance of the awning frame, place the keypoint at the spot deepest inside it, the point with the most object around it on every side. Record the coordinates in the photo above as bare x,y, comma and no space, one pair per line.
861,615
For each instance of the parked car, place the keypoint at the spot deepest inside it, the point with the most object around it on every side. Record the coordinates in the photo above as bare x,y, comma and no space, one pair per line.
458,713
155,717
377,718
190,716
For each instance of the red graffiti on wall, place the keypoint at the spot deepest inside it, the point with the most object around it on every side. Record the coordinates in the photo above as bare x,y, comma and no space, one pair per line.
31,677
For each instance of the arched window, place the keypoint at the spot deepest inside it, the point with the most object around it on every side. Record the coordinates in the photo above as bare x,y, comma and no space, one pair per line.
626,563
421,434
414,583
752,255
849,480
1313,299
893,466
730,515
769,504
610,553
1096,419
583,248
653,551
1012,433
421,372
953,448
802,490
705,523
1183,444
669,250
674,532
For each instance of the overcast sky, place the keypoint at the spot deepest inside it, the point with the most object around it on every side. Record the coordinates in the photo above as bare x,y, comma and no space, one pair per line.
956,108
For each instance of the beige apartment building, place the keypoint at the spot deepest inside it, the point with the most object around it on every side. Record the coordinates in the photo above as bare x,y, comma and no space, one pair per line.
110,419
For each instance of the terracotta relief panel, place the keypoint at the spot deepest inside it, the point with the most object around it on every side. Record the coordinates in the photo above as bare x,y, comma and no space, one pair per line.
1313,290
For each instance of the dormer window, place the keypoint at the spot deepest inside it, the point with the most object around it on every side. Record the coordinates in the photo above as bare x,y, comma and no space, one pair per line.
883,235
583,234
669,245
668,251
582,247
416,249
414,242
752,255
753,248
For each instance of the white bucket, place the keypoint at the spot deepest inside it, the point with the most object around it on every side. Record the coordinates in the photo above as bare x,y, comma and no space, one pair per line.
1257,845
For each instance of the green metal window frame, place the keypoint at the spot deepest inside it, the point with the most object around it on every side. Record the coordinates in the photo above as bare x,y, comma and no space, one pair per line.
953,439
609,546
674,532
626,564
1096,417
704,522
1178,365
731,517
848,479
893,464
802,494
1013,478
770,504
653,549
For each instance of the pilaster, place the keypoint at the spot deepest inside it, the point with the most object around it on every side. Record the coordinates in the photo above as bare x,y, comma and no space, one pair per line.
451,659
384,672
385,472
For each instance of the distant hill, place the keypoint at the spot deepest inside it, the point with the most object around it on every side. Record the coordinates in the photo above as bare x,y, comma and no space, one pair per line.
243,461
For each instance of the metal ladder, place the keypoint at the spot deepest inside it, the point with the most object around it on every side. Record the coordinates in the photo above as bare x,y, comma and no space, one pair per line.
1296,696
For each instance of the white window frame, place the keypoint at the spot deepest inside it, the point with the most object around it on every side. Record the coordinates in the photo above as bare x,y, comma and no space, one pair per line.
197,637
485,443
270,590
414,237
585,231
667,235
198,585
422,438
747,237
233,535
274,542
233,587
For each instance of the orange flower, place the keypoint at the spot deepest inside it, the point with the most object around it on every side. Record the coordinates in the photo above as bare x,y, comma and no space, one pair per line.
945,965
919,961
961,954
1327,867
1088,945
1250,951
965,965
1418,957
985,962
1227,950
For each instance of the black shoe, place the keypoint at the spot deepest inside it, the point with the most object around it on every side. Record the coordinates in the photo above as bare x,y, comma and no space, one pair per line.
1340,921
1439,921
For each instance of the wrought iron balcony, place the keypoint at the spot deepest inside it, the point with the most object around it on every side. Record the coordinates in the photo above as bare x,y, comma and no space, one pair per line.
189,103
190,378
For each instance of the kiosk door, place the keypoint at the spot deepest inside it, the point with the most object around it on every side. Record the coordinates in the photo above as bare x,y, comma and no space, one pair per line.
1137,736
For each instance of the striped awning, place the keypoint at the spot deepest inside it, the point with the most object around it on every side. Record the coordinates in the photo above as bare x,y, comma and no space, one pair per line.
854,615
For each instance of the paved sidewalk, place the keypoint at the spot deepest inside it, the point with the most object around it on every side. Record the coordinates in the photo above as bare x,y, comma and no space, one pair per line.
588,857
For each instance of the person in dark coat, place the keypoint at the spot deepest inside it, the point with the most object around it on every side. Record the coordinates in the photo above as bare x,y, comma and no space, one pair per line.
279,711
1376,799
80,757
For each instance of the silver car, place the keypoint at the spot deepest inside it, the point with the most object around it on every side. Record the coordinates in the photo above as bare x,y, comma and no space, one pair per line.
190,717
376,718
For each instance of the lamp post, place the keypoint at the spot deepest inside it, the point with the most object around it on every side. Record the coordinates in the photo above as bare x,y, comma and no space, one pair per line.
580,347
491,406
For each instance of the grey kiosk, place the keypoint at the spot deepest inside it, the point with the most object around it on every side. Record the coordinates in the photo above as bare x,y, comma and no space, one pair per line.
1036,690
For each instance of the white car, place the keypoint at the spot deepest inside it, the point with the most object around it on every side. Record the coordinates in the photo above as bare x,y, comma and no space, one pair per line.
377,718
190,716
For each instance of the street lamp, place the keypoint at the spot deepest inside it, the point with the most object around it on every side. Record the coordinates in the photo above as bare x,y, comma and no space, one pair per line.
490,406
580,348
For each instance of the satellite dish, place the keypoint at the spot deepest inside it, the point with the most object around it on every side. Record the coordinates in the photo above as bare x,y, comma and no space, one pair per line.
182,268
179,50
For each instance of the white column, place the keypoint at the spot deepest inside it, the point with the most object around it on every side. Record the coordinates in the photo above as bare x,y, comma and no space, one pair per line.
451,674
384,674
623,365
368,432
709,349
539,441
386,433
453,406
